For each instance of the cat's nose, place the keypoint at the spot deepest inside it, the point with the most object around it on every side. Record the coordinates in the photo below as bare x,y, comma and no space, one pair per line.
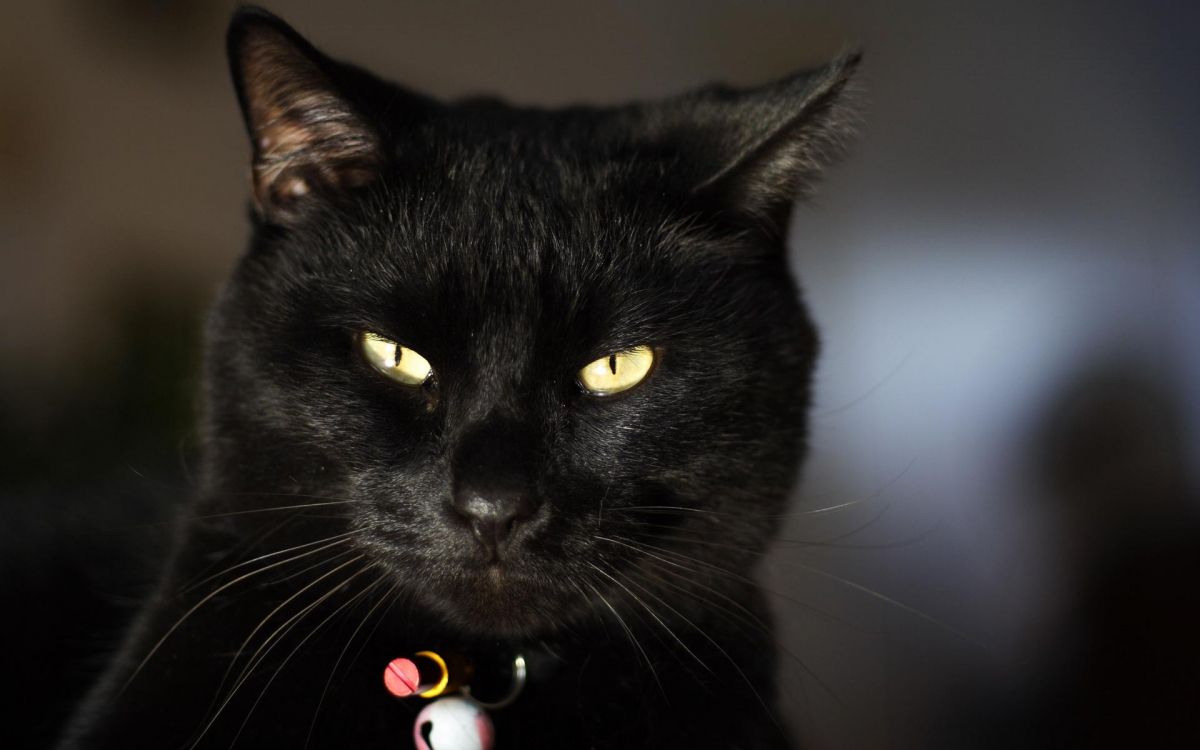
493,517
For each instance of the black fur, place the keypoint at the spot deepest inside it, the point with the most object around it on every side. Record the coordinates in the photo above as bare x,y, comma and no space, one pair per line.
510,247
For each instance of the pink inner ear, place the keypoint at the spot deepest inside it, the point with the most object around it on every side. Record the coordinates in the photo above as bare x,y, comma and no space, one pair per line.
295,187
307,136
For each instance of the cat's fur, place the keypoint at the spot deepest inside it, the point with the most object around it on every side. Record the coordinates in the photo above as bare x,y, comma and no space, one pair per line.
510,246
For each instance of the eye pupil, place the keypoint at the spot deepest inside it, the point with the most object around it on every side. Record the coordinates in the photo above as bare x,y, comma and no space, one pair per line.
612,363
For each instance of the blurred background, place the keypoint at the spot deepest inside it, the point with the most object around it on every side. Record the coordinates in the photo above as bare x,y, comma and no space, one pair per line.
997,539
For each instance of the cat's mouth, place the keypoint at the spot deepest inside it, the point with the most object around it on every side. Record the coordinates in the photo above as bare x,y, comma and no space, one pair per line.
515,584
501,599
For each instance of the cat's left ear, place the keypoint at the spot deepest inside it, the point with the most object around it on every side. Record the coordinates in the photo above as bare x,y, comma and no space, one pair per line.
309,141
767,146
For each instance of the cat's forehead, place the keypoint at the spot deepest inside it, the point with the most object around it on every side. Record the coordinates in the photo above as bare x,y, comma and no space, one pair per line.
521,250
517,220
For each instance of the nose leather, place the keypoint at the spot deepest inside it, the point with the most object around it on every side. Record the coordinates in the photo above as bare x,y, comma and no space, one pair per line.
493,517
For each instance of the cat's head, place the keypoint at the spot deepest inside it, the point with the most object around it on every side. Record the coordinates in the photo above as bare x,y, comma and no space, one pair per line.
534,357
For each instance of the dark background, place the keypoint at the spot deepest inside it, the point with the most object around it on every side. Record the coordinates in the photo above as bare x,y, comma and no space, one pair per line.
996,542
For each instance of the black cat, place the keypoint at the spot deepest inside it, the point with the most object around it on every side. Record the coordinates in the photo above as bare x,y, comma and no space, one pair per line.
494,381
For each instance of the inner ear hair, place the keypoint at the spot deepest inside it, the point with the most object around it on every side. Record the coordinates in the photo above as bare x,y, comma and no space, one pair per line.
307,138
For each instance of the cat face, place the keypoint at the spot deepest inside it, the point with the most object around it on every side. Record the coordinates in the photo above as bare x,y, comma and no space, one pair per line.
410,333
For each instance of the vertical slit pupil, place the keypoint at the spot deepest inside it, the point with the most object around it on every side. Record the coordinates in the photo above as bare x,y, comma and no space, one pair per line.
612,363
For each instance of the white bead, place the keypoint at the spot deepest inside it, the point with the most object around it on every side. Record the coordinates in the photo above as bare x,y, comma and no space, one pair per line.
453,724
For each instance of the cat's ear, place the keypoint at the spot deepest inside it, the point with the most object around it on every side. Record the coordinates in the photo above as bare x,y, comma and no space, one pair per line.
307,137
768,145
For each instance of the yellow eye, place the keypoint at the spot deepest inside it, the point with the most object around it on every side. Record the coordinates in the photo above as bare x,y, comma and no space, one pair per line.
397,362
617,372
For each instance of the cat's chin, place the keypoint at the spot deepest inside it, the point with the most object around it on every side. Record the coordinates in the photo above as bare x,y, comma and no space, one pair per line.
494,602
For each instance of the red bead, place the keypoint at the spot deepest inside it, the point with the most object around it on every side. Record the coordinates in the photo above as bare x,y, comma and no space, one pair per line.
401,677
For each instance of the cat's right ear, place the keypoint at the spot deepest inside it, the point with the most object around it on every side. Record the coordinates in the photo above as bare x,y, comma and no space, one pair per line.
309,142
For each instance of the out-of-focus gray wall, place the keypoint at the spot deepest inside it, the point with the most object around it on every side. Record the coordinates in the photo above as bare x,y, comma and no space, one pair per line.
1005,271
1007,278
